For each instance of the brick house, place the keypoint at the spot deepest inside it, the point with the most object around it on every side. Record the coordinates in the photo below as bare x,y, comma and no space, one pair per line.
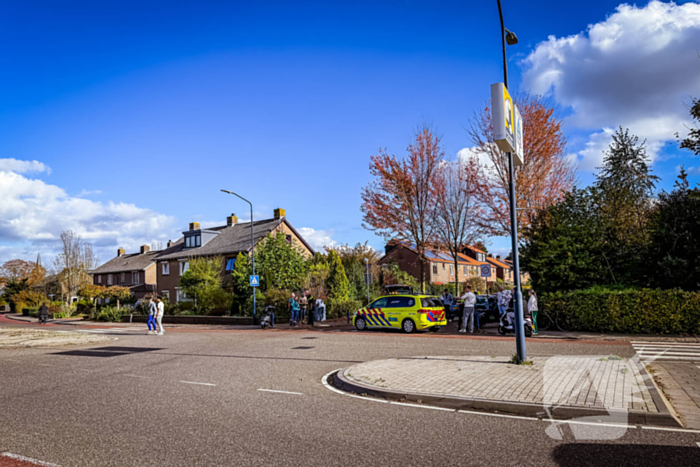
439,267
137,271
226,241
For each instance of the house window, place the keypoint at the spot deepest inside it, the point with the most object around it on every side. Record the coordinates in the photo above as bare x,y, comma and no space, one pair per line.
166,295
184,267
193,241
99,279
289,239
465,271
434,268
135,277
166,268
109,279
188,242
443,265
230,264
198,240
480,257
122,278
181,296
452,270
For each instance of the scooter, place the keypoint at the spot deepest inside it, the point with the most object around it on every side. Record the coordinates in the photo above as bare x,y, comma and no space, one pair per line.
507,323
268,317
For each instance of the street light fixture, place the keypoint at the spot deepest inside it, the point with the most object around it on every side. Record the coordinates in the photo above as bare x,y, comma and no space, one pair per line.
510,38
252,242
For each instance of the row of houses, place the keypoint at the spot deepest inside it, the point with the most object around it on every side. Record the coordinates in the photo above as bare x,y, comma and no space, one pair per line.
439,265
158,272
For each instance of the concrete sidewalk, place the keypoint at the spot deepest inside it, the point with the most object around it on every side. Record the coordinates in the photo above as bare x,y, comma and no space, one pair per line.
609,388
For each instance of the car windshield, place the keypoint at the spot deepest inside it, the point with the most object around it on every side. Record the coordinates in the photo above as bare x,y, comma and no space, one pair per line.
430,302
480,299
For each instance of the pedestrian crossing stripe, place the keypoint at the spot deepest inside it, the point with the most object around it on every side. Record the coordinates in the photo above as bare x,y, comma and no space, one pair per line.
680,351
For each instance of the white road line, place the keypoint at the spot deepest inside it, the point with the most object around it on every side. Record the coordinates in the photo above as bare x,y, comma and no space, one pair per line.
500,415
664,343
654,352
139,376
423,406
577,422
282,392
670,357
27,459
660,428
324,380
194,382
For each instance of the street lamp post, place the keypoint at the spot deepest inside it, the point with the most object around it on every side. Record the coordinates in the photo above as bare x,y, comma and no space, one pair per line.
252,242
518,302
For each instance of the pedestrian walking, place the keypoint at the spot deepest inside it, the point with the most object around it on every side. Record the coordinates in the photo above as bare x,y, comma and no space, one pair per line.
320,309
43,313
447,301
504,297
532,308
152,311
303,305
293,307
160,311
468,313
311,307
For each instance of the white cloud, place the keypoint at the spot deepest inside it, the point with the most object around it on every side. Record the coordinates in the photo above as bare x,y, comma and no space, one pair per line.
318,238
690,170
17,166
635,69
36,212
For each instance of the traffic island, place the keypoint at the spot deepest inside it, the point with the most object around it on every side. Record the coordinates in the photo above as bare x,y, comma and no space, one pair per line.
33,337
600,388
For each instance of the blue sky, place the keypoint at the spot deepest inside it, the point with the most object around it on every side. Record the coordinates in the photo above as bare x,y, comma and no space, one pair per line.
137,113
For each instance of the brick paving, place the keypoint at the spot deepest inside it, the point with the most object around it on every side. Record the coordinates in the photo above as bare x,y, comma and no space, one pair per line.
680,382
563,381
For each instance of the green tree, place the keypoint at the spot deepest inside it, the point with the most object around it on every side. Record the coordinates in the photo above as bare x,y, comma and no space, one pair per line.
202,280
338,285
675,237
281,265
12,289
692,141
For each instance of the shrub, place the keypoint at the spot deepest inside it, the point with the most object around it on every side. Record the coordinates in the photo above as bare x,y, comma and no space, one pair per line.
279,298
111,313
628,311
338,308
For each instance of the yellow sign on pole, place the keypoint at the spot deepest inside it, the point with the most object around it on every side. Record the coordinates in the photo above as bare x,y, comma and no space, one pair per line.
507,122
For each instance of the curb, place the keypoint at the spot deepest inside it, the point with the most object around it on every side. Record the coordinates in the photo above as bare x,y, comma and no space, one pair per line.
663,418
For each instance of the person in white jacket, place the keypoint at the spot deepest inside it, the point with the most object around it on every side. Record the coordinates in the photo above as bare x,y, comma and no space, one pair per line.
468,313
159,315
532,308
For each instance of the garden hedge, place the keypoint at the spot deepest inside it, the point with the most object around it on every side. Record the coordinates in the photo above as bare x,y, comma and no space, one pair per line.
644,311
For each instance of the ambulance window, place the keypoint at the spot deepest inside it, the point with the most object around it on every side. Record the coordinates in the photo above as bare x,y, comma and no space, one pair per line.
381,303
401,302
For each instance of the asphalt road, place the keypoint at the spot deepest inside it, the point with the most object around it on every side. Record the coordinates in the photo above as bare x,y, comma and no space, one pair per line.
196,398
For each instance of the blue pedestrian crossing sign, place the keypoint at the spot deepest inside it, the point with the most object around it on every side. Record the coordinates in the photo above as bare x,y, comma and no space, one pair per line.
254,281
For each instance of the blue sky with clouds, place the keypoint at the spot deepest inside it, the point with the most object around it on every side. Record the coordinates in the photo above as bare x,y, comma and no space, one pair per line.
122,120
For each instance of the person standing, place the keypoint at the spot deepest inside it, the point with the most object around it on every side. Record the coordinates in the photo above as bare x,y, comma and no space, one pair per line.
160,311
321,309
447,301
532,308
293,307
303,303
503,300
311,303
43,313
468,314
152,310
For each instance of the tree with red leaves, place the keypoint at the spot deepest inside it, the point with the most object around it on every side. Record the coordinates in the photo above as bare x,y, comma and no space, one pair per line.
460,210
400,202
545,175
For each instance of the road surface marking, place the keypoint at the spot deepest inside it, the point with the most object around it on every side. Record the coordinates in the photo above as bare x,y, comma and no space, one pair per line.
27,459
423,406
660,428
139,376
194,382
473,412
577,422
282,392
324,380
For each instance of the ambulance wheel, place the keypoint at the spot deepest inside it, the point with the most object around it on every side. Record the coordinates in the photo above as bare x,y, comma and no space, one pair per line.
502,330
408,326
434,329
528,330
360,324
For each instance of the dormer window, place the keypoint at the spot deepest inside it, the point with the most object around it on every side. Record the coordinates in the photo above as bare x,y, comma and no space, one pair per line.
193,241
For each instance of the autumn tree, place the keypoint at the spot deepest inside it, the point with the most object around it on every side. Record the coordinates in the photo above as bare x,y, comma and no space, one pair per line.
74,261
545,175
400,201
17,269
460,212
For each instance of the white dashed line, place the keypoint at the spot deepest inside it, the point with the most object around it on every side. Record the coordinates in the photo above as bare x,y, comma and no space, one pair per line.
9,455
139,376
282,392
194,382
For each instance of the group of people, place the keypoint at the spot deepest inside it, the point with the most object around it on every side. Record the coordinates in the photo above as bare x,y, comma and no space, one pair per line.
504,299
306,307
156,309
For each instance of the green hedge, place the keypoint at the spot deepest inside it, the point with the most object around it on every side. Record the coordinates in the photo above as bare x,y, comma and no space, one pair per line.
341,308
644,311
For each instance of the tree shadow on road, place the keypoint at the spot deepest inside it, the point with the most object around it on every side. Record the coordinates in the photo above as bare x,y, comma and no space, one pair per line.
607,455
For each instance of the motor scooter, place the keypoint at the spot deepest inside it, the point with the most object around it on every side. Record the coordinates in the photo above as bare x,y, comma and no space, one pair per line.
506,323
268,317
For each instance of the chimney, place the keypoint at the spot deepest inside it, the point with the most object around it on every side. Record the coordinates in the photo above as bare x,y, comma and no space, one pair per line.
194,226
170,243
120,252
498,257
145,249
231,220
490,255
279,213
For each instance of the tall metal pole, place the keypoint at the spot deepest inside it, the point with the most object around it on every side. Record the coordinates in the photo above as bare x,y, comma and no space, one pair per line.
252,243
518,302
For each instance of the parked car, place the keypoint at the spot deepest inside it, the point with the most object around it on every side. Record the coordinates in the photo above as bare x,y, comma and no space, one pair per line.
409,313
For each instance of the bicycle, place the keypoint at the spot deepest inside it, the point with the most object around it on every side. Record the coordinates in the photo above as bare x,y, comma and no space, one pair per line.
561,320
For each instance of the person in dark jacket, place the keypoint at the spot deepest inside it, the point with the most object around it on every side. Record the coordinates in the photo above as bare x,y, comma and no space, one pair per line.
43,313
312,307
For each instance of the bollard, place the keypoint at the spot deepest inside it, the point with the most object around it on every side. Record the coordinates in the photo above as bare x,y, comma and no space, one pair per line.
131,317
